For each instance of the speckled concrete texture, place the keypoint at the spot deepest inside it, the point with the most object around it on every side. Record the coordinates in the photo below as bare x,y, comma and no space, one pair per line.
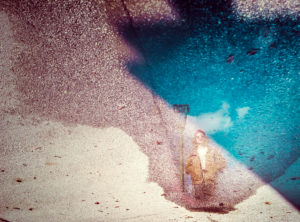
83,139
73,70
267,9
52,172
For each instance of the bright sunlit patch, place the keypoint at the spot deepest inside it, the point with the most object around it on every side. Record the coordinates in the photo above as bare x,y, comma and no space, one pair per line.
242,111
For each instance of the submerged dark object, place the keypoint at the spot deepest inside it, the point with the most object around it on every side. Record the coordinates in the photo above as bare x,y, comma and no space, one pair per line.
273,45
230,59
270,157
252,51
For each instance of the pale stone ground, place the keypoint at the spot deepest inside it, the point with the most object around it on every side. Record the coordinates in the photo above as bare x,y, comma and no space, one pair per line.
54,172
88,174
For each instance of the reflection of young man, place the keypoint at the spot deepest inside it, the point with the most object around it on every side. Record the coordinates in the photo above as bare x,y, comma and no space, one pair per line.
203,165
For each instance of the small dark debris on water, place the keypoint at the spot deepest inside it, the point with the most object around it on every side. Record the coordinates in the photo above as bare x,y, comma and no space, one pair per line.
38,148
240,153
31,209
2,171
34,178
187,217
19,180
97,202
57,156
252,159
295,178
163,195
117,206
250,168
175,207
221,204
25,165
270,157
273,45
17,208
158,142
230,59
268,203
117,200
262,152
252,51
127,209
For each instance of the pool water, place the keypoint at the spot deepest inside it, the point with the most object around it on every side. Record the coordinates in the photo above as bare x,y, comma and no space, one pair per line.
244,72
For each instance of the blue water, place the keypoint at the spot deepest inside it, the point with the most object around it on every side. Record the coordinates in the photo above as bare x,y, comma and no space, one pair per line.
188,65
